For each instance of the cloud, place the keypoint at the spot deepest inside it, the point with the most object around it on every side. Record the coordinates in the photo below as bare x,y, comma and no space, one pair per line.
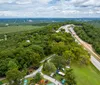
49,8
44,1
86,3
6,1
23,1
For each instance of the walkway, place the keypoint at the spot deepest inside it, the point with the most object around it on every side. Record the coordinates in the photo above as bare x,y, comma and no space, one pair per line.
51,79
34,73
47,58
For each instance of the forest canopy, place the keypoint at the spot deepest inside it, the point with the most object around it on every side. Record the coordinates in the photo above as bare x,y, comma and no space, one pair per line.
90,34
26,49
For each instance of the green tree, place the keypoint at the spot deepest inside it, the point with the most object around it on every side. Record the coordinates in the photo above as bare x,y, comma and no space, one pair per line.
14,76
68,55
3,67
58,47
49,67
59,61
12,65
62,30
70,78
37,78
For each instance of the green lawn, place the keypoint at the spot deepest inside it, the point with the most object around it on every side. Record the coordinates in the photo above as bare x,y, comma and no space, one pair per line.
87,75
17,28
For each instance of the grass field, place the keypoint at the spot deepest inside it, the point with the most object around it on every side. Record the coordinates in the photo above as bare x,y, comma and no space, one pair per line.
87,75
10,29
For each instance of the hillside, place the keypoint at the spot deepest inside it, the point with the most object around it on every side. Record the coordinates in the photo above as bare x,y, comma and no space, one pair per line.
90,34
25,49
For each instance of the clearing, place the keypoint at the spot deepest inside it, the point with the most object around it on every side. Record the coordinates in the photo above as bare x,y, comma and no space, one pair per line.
10,29
86,75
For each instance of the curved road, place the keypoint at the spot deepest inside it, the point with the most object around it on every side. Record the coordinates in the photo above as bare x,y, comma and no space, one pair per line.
69,29
56,82
35,72
95,59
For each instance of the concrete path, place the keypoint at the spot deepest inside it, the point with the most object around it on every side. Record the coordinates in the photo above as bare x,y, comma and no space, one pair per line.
51,79
44,76
34,73
47,58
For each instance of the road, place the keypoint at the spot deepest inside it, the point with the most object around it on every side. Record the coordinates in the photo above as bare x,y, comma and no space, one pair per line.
56,82
51,79
95,59
35,72
70,29
40,68
95,62
44,76
47,58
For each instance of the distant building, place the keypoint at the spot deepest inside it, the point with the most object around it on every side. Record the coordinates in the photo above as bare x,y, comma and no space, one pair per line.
7,24
30,21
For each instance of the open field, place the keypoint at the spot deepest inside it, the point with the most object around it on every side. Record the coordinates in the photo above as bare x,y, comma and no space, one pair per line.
10,29
86,75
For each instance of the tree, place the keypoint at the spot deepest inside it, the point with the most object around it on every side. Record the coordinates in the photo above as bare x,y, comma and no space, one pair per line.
62,30
3,67
58,47
81,55
12,65
70,78
37,78
14,76
59,61
68,55
49,67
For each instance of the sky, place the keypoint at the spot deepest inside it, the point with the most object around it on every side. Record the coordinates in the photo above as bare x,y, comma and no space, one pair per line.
49,8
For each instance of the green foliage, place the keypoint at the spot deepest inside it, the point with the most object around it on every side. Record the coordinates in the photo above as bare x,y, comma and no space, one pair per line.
49,67
68,55
58,48
12,65
59,61
43,42
66,47
9,29
89,34
37,78
14,76
70,78
3,67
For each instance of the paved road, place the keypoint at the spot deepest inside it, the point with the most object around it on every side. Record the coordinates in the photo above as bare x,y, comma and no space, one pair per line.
34,73
45,76
95,62
47,58
95,59
51,79
40,68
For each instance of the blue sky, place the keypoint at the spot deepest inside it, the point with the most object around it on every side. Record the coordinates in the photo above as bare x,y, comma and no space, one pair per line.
50,8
